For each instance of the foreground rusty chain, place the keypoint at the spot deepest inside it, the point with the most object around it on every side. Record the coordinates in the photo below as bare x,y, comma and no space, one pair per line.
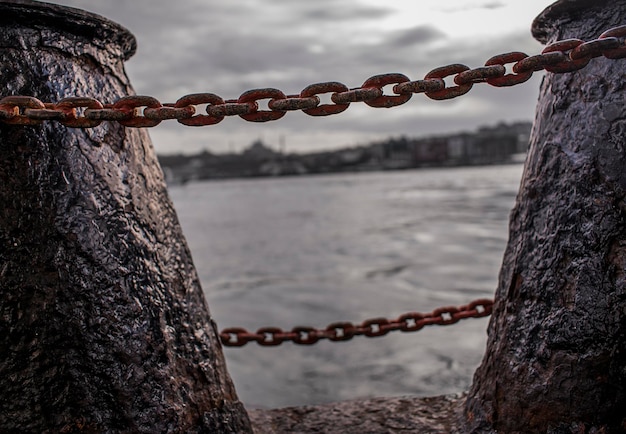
344,331
145,111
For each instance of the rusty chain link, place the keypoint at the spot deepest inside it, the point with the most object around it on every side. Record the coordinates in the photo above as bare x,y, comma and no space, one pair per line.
344,331
145,111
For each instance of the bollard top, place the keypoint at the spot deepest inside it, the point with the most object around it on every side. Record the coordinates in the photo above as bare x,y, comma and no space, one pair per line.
561,12
99,30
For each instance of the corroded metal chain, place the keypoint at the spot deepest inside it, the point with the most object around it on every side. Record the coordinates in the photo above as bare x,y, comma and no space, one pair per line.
145,111
344,331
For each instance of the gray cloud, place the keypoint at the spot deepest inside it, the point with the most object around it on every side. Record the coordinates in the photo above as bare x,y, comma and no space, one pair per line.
229,47
344,13
415,35
471,6
493,5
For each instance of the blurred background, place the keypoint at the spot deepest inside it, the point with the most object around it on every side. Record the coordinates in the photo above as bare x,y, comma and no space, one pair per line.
356,237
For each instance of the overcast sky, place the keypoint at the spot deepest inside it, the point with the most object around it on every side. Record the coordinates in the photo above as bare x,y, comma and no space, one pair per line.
228,47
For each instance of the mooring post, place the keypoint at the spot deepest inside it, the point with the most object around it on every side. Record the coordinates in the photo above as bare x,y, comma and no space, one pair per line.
103,324
556,354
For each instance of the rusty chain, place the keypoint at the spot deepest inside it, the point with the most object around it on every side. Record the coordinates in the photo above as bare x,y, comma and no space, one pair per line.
145,111
344,331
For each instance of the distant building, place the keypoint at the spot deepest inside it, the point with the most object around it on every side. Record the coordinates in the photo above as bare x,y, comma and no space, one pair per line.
432,151
398,153
489,145
259,151
458,146
282,168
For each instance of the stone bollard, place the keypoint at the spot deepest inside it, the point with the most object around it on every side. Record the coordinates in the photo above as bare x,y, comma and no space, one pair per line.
103,324
556,354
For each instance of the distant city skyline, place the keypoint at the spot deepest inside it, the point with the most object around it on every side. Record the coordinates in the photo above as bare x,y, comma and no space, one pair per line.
229,47
490,144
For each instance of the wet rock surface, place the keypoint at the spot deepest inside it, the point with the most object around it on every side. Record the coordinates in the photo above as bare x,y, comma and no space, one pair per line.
103,324
374,416
555,359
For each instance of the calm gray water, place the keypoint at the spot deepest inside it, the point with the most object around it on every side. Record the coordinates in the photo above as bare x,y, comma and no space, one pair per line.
314,250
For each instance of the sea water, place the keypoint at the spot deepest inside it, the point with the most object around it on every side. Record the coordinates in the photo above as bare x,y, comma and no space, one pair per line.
309,251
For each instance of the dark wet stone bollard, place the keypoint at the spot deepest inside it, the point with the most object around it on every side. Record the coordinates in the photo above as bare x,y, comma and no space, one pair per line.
103,324
556,355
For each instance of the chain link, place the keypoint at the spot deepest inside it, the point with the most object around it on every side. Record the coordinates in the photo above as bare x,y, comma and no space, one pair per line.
344,331
560,57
